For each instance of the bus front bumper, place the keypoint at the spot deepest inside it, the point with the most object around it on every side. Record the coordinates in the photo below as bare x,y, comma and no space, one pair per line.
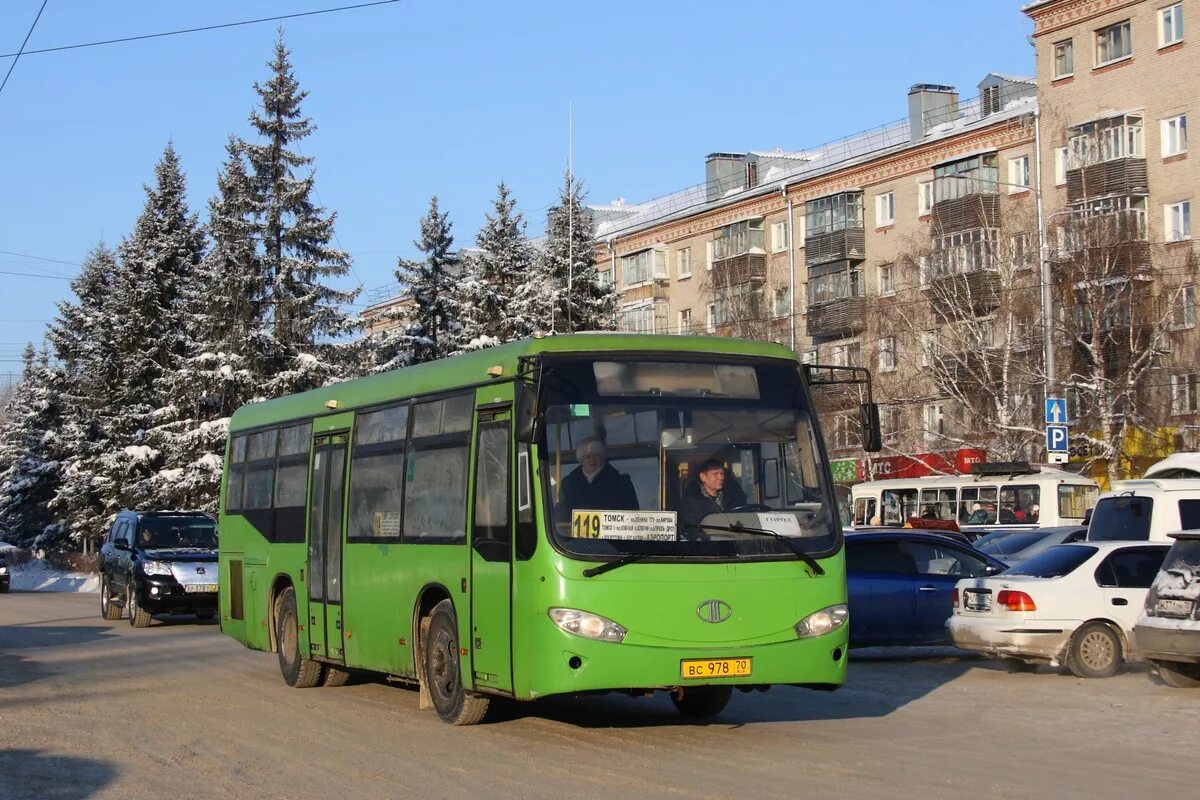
573,664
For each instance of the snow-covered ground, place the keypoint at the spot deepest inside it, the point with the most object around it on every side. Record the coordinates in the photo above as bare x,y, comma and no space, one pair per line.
38,576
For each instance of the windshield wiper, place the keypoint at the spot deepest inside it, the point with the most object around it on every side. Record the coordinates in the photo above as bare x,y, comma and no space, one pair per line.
738,527
592,572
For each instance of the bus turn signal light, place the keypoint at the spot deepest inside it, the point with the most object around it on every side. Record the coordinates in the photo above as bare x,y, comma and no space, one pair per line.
1015,601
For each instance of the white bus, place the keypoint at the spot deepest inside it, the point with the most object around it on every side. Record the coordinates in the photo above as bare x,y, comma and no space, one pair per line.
997,494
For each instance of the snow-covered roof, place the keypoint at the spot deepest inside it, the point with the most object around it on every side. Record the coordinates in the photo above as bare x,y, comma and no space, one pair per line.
841,154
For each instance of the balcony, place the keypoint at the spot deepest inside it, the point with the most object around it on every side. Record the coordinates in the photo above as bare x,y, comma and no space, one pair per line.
957,294
1105,244
658,289
838,318
740,269
1118,176
976,210
840,245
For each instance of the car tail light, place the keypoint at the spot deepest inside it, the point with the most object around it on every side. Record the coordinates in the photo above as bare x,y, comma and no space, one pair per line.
954,597
1015,601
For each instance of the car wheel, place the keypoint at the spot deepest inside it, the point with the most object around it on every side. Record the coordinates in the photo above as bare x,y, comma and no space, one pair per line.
335,676
1094,652
1177,675
108,609
702,701
298,672
443,671
138,616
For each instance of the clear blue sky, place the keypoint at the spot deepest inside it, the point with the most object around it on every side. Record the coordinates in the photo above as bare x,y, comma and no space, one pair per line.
419,98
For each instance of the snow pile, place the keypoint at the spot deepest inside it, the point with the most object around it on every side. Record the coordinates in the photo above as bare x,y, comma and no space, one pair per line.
1180,582
38,576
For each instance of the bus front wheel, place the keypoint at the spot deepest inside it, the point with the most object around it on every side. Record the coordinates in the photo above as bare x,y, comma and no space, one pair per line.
701,701
443,670
298,672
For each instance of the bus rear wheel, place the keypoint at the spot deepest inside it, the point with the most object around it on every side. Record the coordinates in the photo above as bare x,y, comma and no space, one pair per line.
298,672
443,670
702,701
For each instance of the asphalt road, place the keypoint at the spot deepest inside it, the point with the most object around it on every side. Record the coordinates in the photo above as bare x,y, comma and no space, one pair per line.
90,708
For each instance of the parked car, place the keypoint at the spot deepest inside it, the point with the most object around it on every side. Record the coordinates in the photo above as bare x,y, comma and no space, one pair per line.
155,562
1017,548
1168,631
900,584
1147,510
1074,604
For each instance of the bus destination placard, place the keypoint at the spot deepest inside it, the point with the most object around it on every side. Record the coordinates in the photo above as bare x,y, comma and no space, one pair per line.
645,525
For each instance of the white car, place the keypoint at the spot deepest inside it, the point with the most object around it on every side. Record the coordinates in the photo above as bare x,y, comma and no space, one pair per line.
1074,605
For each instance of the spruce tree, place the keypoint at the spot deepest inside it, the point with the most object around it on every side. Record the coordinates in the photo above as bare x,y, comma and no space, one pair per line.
435,328
302,347
83,343
29,471
579,302
491,310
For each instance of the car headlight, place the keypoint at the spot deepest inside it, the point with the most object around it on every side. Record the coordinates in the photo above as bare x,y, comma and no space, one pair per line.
3,570
589,626
822,622
155,568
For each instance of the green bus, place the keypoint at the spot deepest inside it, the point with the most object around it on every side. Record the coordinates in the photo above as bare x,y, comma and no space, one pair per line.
557,515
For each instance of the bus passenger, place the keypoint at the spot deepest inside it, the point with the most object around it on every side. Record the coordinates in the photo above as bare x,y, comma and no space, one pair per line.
979,515
596,484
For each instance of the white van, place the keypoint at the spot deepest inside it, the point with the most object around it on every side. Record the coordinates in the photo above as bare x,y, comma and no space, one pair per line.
1165,501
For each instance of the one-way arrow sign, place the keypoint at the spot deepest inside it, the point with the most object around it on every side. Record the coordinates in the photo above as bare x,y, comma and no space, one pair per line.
1056,411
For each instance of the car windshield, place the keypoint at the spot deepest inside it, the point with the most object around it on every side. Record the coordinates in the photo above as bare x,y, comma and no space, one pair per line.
1054,562
164,532
682,460
1012,543
1122,518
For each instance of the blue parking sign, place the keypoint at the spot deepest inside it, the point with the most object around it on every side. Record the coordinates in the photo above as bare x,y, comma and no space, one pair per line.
1056,438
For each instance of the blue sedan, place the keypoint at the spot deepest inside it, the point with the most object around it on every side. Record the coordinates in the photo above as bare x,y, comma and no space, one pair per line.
901,584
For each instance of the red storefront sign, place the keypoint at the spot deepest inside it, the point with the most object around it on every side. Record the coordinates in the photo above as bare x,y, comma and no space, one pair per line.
955,462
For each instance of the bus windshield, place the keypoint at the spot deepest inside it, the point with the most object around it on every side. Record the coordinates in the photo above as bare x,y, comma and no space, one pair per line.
691,460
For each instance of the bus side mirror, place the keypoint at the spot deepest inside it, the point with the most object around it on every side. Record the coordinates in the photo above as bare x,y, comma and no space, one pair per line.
1087,517
868,422
526,424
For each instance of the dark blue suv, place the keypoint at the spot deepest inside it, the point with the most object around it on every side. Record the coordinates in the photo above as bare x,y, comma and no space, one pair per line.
159,562
901,584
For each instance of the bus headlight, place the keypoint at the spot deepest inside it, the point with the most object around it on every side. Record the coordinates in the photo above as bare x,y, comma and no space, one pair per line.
155,568
822,622
589,626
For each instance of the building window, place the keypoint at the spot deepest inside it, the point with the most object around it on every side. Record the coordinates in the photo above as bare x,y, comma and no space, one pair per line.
847,355
935,420
778,237
604,277
711,322
837,285
783,302
1064,59
1113,43
930,348
924,198
1174,136
641,267
885,209
1170,25
836,213
960,253
967,176
685,321
1105,140
1183,394
809,357
1018,174
1177,218
738,239
1060,166
1022,251
708,255
636,320
889,424
886,284
887,354
683,263
1183,315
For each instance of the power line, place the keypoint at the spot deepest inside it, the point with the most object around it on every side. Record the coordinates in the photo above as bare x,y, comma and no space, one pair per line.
35,275
17,55
125,39
40,258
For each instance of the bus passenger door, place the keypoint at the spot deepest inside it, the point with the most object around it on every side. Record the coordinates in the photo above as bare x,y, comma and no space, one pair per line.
491,552
325,546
